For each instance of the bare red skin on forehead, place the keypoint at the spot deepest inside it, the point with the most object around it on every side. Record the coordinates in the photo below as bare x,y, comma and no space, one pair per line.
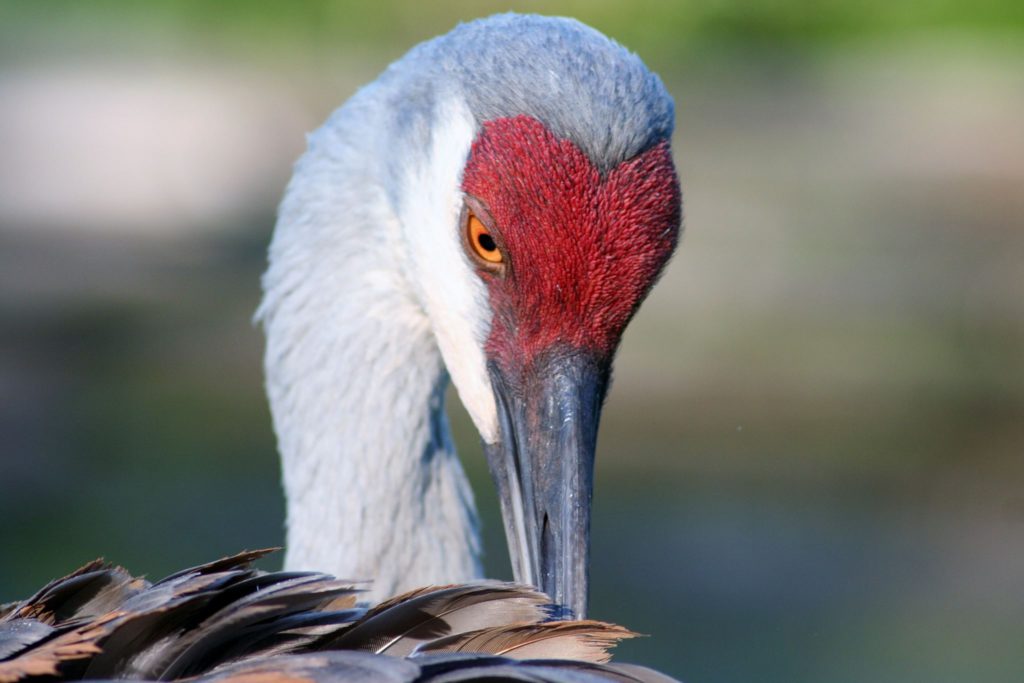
581,250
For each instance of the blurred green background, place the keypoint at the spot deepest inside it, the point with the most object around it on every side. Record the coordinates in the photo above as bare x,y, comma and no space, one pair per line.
811,464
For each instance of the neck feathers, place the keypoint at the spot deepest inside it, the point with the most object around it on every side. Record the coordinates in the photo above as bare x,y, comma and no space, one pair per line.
356,386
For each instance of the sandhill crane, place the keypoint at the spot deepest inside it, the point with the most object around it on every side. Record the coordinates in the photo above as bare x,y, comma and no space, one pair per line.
493,209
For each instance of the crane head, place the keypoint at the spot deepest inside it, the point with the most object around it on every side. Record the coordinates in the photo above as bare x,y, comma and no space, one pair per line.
566,254
504,195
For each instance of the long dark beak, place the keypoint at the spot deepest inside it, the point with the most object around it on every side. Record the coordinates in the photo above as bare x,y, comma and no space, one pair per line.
543,465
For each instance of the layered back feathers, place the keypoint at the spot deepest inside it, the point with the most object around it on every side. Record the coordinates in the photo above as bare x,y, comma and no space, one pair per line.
225,621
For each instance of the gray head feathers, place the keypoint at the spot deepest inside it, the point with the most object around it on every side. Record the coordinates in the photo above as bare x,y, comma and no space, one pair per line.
580,84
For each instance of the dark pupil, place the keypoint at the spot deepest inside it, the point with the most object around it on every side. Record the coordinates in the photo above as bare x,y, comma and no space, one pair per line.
486,242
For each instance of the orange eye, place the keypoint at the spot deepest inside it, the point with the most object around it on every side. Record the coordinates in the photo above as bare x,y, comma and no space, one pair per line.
482,242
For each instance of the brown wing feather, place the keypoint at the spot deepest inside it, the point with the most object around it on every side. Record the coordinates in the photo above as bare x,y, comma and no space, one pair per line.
242,560
320,667
46,659
91,590
398,626
588,641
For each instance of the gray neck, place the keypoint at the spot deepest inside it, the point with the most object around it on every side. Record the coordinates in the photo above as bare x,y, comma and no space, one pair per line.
356,385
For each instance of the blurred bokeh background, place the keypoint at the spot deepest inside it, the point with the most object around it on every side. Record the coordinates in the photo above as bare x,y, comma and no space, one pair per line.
811,467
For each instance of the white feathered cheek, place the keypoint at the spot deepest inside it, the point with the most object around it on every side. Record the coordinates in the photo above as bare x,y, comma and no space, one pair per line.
453,295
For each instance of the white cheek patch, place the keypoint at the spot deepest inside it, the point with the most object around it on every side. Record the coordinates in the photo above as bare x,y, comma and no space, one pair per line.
453,294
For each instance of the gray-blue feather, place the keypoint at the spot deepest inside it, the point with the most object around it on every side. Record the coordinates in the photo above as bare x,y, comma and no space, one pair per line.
583,86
